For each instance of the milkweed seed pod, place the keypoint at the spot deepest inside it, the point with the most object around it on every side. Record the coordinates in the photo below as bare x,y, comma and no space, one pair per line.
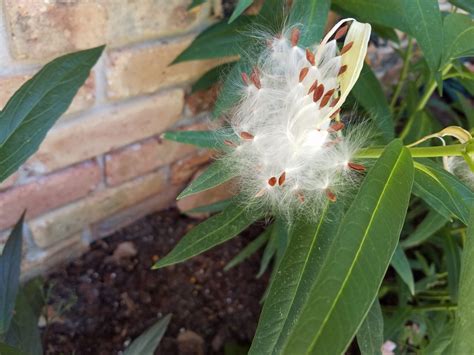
293,150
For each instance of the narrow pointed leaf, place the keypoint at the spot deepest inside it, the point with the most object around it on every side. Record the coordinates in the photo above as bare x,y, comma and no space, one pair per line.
10,262
432,223
424,21
213,231
241,6
452,254
147,343
312,14
402,266
308,243
249,250
463,341
202,139
36,106
357,259
442,191
211,208
217,173
219,40
467,5
370,334
458,36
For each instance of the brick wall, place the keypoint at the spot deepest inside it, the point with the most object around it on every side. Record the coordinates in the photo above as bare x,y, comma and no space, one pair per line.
103,165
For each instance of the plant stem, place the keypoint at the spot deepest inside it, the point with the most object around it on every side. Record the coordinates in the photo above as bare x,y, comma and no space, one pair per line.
403,73
430,89
417,152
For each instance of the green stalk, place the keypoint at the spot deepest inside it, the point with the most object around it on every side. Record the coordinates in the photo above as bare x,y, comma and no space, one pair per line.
403,73
417,152
430,89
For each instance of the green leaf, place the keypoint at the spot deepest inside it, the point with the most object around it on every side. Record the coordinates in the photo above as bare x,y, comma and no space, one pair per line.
9,350
217,173
370,334
24,332
195,3
453,264
147,343
249,250
211,232
432,223
401,265
467,5
211,208
357,259
299,267
458,37
386,13
211,77
10,262
202,139
442,191
463,341
36,106
424,21
219,40
241,6
269,252
368,92
230,93
312,14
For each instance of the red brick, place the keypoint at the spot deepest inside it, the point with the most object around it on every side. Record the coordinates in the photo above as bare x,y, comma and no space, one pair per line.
106,130
84,98
183,170
48,192
144,70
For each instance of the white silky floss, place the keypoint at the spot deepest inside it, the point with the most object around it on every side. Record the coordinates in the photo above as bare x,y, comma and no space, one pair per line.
294,153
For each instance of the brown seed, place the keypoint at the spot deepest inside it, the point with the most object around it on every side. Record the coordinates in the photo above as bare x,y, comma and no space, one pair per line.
282,178
230,143
310,56
341,32
272,181
357,167
318,93
311,89
326,98
295,37
336,127
303,73
246,135
245,78
260,193
342,70
335,113
334,102
346,48
330,195
300,196
255,78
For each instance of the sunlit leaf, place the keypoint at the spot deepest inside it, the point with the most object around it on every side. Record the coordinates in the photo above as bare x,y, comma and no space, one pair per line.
36,106
147,343
216,174
212,232
357,259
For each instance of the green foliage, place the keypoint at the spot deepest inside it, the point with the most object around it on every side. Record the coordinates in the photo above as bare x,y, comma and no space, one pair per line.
329,281
10,261
36,106
463,342
210,233
147,342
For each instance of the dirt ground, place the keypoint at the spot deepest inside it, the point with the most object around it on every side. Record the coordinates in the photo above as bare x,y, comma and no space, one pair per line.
110,295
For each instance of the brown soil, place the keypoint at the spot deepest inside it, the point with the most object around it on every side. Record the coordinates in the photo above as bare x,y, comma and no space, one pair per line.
116,298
